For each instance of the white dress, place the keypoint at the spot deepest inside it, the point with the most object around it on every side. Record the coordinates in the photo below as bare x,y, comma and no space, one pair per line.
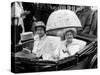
45,47
62,51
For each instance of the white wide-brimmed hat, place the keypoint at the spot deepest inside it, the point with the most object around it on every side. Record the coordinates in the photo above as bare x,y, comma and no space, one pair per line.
68,29
40,24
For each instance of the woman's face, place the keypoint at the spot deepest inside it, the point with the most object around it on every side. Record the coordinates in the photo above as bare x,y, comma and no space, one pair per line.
69,36
40,31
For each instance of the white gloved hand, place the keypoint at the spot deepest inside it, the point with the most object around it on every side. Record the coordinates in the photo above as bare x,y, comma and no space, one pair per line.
36,37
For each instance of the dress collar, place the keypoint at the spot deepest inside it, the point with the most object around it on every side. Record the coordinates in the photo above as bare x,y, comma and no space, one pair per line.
43,37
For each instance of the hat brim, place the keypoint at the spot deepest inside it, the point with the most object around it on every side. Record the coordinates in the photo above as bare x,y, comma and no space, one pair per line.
40,26
27,41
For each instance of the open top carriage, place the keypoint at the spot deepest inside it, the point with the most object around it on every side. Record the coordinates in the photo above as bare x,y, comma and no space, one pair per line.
83,59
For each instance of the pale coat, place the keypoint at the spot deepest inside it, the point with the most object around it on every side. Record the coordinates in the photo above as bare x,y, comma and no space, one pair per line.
62,51
45,47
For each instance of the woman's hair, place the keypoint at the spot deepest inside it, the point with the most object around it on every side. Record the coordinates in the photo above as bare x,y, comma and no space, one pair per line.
34,29
40,26
73,32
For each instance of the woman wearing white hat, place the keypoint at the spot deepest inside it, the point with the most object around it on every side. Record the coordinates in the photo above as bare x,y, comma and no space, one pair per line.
70,45
44,45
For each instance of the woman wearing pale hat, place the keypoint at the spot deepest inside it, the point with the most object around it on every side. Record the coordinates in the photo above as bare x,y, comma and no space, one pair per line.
70,45
44,45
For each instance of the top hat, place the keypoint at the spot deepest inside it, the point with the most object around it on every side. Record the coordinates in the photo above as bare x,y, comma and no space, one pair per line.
26,36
